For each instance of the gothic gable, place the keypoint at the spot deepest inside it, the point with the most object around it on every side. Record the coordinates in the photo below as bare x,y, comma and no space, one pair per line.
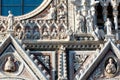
15,62
98,69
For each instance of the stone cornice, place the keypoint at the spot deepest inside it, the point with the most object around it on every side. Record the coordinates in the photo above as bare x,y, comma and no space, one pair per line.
77,45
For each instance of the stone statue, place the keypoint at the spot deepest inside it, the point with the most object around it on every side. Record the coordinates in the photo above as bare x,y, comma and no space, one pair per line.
10,20
52,13
108,26
54,33
110,67
36,34
10,65
114,3
61,13
89,22
62,34
80,22
45,33
19,33
27,35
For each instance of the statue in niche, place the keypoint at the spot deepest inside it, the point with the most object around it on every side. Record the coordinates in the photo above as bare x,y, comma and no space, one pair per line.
80,22
62,34
45,33
54,33
114,3
27,34
19,33
89,22
110,68
10,20
52,12
10,65
108,26
36,34
61,14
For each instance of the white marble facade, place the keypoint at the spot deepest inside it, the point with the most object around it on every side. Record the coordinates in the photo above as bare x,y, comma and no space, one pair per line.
62,40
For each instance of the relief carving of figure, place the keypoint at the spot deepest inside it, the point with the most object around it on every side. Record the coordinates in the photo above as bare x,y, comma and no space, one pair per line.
62,34
89,22
52,12
36,34
110,68
27,35
10,65
108,26
54,33
61,13
80,22
10,20
19,33
45,33
114,3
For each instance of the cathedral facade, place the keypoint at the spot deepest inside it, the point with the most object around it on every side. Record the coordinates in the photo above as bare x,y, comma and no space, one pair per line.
61,40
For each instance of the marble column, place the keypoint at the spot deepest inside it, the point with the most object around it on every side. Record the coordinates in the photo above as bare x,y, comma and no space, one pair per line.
53,65
93,4
93,14
115,14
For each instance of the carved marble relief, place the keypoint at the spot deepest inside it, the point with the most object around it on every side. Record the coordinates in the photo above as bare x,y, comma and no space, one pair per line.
107,69
11,65
79,60
110,68
45,60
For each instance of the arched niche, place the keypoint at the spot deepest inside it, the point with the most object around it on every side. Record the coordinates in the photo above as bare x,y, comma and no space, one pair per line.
99,14
110,11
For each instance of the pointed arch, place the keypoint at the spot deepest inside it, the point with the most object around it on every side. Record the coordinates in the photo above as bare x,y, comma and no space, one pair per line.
99,14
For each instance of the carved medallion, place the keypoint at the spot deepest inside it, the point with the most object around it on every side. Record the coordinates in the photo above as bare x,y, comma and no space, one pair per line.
110,68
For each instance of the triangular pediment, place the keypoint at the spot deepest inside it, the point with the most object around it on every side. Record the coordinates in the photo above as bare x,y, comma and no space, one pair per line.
23,68
98,67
